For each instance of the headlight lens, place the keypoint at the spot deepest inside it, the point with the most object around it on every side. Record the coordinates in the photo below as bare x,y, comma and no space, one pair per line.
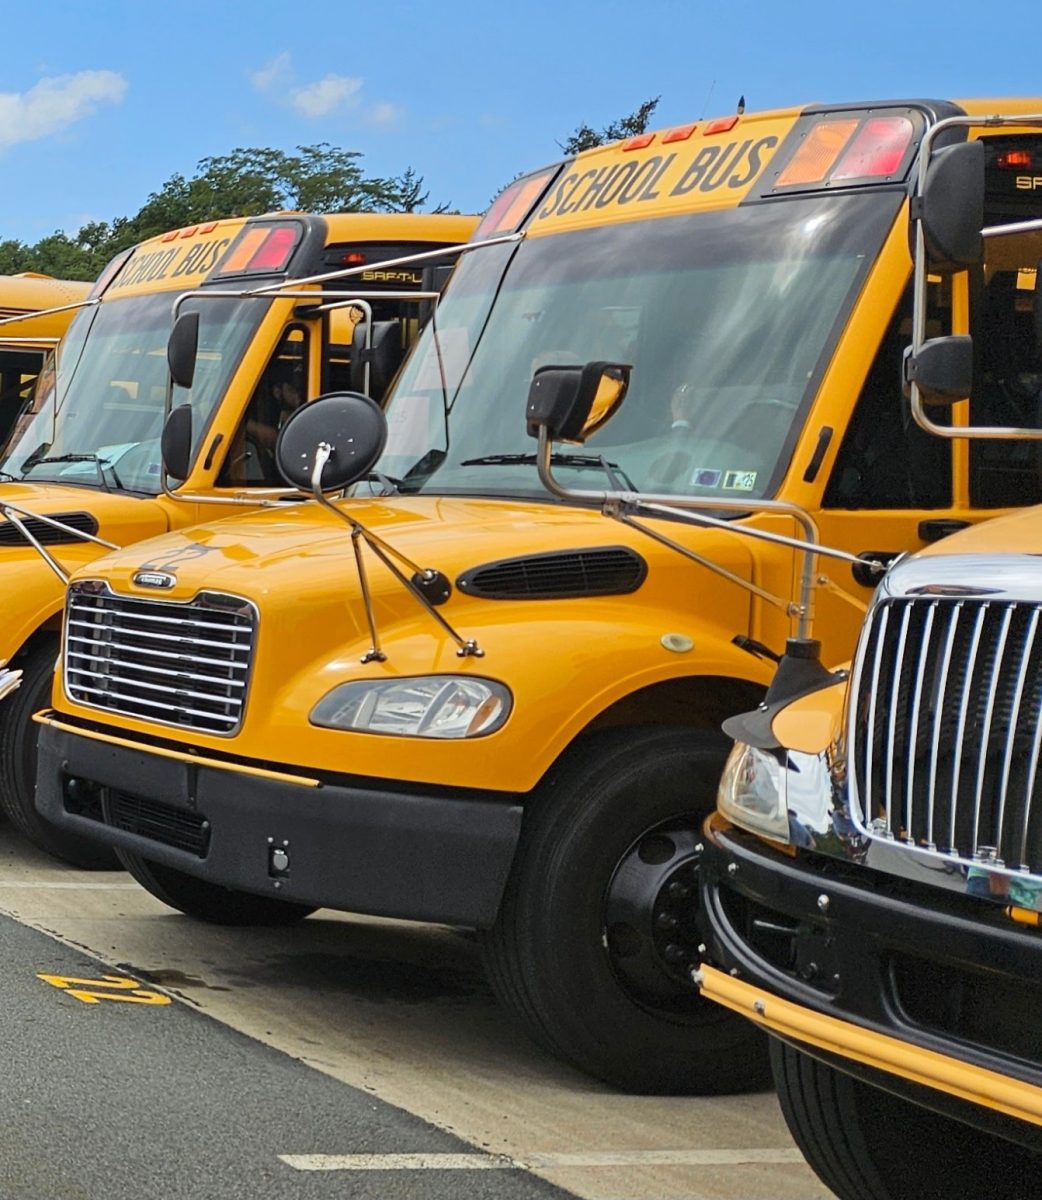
752,792
431,706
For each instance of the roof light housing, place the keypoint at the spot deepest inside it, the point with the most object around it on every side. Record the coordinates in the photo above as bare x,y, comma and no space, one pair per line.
262,248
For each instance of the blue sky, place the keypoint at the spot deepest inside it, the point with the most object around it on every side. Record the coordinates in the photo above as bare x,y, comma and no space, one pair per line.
101,101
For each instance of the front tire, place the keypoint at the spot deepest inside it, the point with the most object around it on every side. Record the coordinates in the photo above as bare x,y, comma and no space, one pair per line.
18,735
595,938
209,901
868,1144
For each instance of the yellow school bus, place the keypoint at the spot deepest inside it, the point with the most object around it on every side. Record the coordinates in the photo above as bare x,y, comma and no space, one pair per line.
487,690
35,310
82,471
871,886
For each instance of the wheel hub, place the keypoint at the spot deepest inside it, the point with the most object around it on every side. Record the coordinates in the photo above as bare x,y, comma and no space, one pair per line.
650,913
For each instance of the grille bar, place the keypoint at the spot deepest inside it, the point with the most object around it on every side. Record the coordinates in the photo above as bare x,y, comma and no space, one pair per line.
121,656
181,639
196,624
80,640
96,659
946,729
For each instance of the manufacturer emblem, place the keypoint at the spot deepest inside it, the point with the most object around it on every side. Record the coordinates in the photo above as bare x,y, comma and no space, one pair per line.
154,579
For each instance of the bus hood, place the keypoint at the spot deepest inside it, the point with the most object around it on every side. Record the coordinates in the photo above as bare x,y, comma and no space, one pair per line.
305,551
121,517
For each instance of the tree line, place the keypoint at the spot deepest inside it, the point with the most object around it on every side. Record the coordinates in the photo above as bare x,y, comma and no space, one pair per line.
253,180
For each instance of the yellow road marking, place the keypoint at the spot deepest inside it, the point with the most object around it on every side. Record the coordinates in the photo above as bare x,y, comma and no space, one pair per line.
109,987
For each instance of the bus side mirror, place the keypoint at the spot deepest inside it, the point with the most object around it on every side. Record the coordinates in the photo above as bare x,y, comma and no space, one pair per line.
384,357
182,349
571,403
943,369
349,429
175,445
951,208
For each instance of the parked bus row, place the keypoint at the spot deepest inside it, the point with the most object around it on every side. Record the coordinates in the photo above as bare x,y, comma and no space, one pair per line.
468,657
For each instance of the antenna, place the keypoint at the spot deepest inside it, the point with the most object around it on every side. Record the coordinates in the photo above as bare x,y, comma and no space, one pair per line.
705,104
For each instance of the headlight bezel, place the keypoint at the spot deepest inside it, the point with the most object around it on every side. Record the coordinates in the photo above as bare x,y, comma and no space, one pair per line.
354,706
739,799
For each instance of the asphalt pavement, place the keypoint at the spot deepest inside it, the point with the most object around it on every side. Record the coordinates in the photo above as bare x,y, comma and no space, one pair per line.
111,1091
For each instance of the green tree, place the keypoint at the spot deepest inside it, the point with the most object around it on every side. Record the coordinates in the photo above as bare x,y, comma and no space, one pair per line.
586,137
246,182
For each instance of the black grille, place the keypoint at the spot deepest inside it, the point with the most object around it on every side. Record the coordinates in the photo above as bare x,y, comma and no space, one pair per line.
608,571
159,823
183,664
946,735
47,535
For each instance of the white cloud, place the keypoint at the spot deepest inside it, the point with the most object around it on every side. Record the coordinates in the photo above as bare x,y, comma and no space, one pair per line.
55,103
271,73
321,98
385,113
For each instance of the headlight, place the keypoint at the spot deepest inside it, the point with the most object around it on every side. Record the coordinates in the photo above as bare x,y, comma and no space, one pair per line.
752,792
432,706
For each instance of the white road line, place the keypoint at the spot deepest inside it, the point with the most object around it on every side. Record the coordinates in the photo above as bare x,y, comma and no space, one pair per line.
46,886
538,1162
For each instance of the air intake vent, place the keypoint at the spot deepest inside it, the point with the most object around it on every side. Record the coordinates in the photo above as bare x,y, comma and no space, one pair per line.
11,535
603,571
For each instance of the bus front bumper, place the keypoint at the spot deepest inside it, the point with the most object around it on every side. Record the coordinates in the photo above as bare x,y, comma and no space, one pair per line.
385,850
899,985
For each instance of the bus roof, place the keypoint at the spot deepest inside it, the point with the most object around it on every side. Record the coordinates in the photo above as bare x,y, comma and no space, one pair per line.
31,293
723,161
181,259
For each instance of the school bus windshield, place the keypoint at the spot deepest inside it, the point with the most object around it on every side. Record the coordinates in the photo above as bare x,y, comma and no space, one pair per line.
727,317
100,419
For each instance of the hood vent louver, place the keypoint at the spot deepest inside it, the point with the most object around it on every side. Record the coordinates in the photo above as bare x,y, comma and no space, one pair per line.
558,575
47,535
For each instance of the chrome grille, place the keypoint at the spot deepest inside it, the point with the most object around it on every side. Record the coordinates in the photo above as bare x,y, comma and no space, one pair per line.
181,664
946,729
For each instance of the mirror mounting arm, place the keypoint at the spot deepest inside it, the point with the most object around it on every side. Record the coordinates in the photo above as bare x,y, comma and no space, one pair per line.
622,505
466,647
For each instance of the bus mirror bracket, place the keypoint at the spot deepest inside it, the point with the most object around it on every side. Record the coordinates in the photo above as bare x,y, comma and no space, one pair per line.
182,349
951,208
383,356
327,445
176,442
942,370
572,402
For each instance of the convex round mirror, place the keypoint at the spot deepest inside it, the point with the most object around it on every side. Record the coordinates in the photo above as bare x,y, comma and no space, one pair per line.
349,423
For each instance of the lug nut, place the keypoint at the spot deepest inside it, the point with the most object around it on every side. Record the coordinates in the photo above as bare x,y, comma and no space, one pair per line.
666,920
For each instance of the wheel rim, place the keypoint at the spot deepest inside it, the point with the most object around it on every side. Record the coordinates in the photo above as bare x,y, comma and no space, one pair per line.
650,929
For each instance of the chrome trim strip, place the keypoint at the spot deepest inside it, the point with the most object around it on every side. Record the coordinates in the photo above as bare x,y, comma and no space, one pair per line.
985,733
1011,733
960,735
942,695
912,732
884,620
891,736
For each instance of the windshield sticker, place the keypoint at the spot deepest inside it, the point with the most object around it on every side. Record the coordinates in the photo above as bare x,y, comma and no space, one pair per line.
705,477
408,426
445,361
740,481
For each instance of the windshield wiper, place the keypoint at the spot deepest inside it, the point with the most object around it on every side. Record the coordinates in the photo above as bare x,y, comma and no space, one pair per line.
559,460
99,462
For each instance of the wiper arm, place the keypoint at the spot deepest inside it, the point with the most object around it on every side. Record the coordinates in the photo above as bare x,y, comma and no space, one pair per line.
558,459
99,462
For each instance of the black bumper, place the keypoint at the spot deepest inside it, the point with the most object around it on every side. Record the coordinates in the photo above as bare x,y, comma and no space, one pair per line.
936,970
410,854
